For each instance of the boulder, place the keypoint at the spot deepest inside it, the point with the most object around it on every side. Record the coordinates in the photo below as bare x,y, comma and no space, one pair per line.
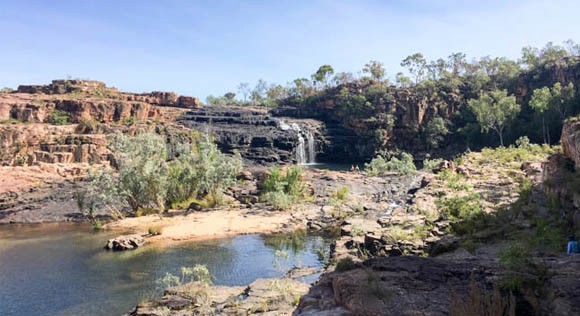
125,242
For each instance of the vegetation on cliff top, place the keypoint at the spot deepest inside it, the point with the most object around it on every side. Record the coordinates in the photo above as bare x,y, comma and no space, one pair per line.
500,93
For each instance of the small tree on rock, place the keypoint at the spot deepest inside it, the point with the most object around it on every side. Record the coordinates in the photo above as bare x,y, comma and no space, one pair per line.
494,110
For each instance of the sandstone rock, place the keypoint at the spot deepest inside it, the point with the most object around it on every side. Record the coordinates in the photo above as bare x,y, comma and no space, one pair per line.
125,242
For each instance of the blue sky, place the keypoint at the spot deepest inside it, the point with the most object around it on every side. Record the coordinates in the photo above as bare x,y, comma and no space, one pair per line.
209,47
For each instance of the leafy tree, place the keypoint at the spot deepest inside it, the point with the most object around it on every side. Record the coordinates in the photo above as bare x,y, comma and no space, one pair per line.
375,69
456,62
258,94
230,97
435,132
342,78
437,69
402,80
142,170
494,110
6,90
416,65
276,92
557,99
540,102
244,89
322,75
301,87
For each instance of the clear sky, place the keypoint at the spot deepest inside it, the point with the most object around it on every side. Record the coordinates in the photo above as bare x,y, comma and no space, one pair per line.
208,47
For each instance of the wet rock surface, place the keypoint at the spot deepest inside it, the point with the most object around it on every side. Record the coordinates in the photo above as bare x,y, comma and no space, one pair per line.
257,136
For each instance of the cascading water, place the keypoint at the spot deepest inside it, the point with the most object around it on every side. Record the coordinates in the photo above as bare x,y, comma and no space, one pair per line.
311,147
306,147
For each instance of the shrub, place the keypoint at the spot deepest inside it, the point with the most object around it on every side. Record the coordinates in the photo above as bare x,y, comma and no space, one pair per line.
155,231
430,164
87,126
464,212
380,166
341,194
523,271
279,200
147,181
282,189
345,264
59,117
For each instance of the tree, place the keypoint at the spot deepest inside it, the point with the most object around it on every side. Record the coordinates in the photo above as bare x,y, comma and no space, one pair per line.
435,132
456,62
322,75
230,97
258,94
301,87
416,65
540,102
402,80
494,110
375,69
244,89
343,78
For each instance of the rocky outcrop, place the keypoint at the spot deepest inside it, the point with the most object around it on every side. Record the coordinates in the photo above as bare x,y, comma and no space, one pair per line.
253,133
571,140
27,144
126,242
261,297
431,286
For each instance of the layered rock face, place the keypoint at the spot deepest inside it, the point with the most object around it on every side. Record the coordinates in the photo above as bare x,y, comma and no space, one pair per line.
86,100
571,140
256,135
30,143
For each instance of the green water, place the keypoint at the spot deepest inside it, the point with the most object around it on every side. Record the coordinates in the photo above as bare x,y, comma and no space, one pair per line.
64,270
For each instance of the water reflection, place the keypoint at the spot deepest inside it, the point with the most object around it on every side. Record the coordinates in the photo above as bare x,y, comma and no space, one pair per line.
63,270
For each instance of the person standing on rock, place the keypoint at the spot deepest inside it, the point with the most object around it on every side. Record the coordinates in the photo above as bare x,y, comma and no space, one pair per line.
572,245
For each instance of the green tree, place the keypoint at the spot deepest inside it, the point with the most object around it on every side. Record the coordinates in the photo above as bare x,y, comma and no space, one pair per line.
416,65
230,97
375,69
540,102
435,132
494,110
244,89
322,75
342,78
402,80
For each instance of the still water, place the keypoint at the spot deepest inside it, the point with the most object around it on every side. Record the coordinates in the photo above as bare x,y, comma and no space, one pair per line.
62,269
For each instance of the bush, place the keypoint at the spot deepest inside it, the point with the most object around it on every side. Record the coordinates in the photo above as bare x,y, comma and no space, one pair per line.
147,181
380,166
58,117
464,212
87,126
279,200
430,164
282,189
345,264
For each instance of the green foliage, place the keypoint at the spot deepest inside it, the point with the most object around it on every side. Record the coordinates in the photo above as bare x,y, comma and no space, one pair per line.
510,155
375,69
430,164
87,126
435,132
465,212
341,194
282,189
523,270
279,200
146,180
454,181
345,264
494,110
58,117
6,90
380,166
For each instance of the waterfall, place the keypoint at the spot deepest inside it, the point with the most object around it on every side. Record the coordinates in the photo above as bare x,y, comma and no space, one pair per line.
311,147
306,147
301,151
